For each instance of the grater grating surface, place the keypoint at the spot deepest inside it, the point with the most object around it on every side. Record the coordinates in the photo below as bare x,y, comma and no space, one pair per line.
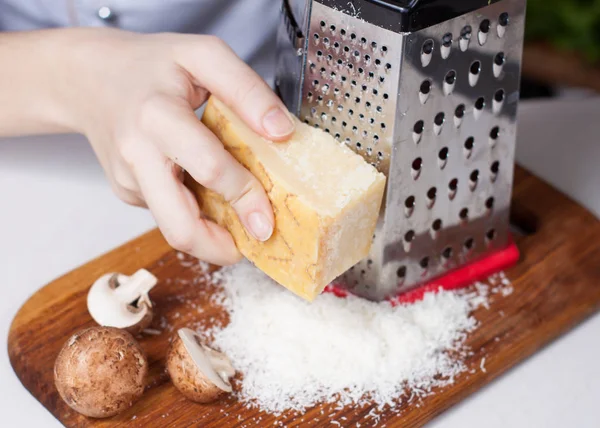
435,111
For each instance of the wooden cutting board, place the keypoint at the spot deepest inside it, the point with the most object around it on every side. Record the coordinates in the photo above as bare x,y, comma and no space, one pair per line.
556,285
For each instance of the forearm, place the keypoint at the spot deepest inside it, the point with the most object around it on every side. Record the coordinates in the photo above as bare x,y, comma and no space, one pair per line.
32,72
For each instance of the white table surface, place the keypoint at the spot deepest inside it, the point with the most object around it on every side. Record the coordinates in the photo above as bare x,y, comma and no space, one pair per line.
57,212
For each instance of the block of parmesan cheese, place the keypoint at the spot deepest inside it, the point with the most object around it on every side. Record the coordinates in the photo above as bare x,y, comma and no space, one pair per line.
325,198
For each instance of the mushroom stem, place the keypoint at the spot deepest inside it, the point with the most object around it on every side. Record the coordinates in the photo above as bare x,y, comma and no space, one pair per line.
138,284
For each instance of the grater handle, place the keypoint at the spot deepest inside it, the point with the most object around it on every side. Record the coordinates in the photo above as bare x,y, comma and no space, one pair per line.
293,29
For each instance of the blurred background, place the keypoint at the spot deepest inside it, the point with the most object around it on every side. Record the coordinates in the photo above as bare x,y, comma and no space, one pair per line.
562,47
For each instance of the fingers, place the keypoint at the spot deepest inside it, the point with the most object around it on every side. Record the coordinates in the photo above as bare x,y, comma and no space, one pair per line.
217,68
185,140
177,213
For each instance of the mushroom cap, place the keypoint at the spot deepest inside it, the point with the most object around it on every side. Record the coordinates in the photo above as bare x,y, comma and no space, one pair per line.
202,377
100,371
116,300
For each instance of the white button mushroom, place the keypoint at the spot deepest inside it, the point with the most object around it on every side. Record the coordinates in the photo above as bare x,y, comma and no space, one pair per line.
200,373
121,301
100,371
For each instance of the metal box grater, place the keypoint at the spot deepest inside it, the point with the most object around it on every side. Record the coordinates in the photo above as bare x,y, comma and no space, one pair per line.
427,91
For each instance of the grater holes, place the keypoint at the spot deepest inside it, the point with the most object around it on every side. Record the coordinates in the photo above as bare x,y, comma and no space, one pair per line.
356,55
449,82
438,122
383,125
484,27
332,28
424,262
453,184
495,168
350,112
375,92
379,109
381,80
447,253
371,121
473,179
343,33
418,128
353,37
459,113
323,24
474,71
355,129
500,59
316,39
401,272
469,244
336,46
344,124
326,41
361,117
329,58
452,188
436,226
494,134
409,202
364,88
416,167
465,37
377,62
446,45
386,97
379,155
490,236
368,104
502,24
499,95
374,45
346,49
388,67
443,156
340,108
431,195
361,70
427,48
469,143
409,236
439,119
425,87
384,50
370,76
479,106
489,203
357,100
426,52
367,59
358,145
447,40
464,214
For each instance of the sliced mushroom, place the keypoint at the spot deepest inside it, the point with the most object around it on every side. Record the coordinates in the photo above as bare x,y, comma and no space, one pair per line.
121,301
200,373
100,371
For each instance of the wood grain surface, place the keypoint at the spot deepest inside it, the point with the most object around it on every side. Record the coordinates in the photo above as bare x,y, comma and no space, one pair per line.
556,285
555,67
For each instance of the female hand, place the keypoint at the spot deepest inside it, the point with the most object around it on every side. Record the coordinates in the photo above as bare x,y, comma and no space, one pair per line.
134,97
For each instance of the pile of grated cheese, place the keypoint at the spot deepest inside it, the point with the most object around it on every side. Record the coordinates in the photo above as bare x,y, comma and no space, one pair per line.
293,354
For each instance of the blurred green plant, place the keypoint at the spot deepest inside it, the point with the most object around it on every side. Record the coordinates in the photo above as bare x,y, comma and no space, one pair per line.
572,25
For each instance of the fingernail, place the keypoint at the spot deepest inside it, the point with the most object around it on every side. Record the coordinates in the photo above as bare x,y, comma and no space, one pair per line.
278,123
260,226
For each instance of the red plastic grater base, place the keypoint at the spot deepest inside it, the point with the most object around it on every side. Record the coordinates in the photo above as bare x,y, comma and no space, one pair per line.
458,278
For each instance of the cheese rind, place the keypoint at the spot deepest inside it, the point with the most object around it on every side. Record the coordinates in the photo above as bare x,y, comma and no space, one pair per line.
325,199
